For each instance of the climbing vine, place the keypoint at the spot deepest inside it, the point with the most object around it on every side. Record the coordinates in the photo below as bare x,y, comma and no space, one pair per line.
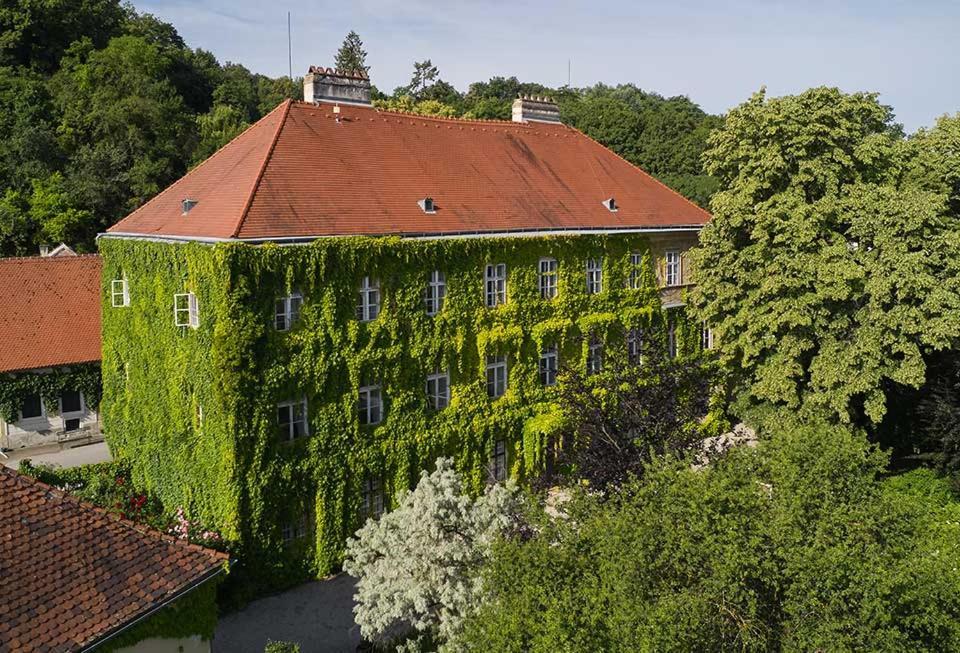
14,388
195,410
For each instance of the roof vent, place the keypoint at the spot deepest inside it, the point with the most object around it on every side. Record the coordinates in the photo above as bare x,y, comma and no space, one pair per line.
528,108
187,204
329,85
427,205
611,204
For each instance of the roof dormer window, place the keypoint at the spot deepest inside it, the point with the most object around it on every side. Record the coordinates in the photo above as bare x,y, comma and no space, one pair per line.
427,205
187,204
610,204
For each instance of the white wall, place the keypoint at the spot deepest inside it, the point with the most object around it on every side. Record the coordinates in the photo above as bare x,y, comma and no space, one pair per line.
153,645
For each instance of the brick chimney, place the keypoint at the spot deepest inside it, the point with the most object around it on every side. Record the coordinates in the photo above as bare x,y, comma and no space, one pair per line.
328,85
535,109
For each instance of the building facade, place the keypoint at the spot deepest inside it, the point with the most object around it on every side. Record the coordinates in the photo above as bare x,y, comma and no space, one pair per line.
340,295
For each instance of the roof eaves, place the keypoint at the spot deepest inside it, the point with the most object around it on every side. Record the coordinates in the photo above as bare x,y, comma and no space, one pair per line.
263,168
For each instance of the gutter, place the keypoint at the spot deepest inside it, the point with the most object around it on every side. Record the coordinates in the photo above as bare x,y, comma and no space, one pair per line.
513,233
122,628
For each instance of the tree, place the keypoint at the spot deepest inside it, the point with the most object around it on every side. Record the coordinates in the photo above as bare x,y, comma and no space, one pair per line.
795,545
238,89
616,420
417,565
351,56
824,277
28,139
424,75
217,128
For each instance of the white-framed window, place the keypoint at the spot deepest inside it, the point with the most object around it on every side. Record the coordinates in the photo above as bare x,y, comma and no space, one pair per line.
671,340
594,275
370,405
297,529
371,506
495,282
673,272
438,390
706,336
498,462
368,304
548,365
635,345
635,280
287,311
32,407
548,278
186,312
436,291
496,376
292,419
594,355
71,403
119,293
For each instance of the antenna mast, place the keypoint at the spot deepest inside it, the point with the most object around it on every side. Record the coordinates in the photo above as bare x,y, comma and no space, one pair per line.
568,73
289,48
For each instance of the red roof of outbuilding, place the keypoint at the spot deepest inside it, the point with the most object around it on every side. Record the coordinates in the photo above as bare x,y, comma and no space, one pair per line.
51,311
304,171
72,574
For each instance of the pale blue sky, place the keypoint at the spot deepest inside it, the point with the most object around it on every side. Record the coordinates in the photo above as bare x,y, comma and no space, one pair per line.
717,53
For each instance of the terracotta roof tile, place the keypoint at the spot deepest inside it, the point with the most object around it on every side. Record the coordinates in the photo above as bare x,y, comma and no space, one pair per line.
70,574
303,171
51,311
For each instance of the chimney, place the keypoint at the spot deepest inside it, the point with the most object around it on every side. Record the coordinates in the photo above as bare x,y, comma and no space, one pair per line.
535,109
328,85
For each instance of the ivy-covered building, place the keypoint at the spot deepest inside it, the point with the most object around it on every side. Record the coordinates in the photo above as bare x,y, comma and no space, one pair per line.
342,294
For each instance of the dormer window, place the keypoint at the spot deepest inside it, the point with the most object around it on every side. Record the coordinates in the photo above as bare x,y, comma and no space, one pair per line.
427,205
188,204
610,204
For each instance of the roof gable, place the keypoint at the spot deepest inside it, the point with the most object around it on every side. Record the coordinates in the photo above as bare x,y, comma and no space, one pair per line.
305,171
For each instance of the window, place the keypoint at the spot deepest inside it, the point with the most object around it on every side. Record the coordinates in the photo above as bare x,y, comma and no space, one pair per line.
636,277
292,419
498,462
674,268
594,356
495,277
71,401
119,295
672,340
706,336
594,275
372,506
31,406
72,424
635,345
496,376
548,366
287,311
548,278
438,390
436,291
186,313
370,406
368,306
296,530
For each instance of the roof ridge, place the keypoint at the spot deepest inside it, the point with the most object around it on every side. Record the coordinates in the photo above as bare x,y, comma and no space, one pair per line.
641,170
141,528
38,257
213,156
286,104
412,114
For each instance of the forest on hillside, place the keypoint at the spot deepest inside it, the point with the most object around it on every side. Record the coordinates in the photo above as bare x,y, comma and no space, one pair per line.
103,106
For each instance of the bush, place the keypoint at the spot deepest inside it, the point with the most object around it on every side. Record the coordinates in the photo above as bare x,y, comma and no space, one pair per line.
795,545
281,647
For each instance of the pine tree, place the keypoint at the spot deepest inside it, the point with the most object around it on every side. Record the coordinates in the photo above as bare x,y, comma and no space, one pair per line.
352,57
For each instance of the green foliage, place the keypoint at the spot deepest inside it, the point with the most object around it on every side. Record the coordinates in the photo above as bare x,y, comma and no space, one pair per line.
231,471
796,545
217,128
824,278
14,388
281,647
351,56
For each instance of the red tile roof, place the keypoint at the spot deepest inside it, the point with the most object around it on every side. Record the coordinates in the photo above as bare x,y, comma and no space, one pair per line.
302,172
51,311
70,573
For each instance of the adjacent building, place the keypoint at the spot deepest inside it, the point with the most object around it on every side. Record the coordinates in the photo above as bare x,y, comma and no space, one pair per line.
342,294
75,578
50,349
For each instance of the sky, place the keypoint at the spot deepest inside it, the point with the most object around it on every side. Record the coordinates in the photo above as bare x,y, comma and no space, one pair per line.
715,52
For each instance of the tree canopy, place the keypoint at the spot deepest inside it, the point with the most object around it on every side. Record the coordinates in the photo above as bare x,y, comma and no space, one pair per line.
351,56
